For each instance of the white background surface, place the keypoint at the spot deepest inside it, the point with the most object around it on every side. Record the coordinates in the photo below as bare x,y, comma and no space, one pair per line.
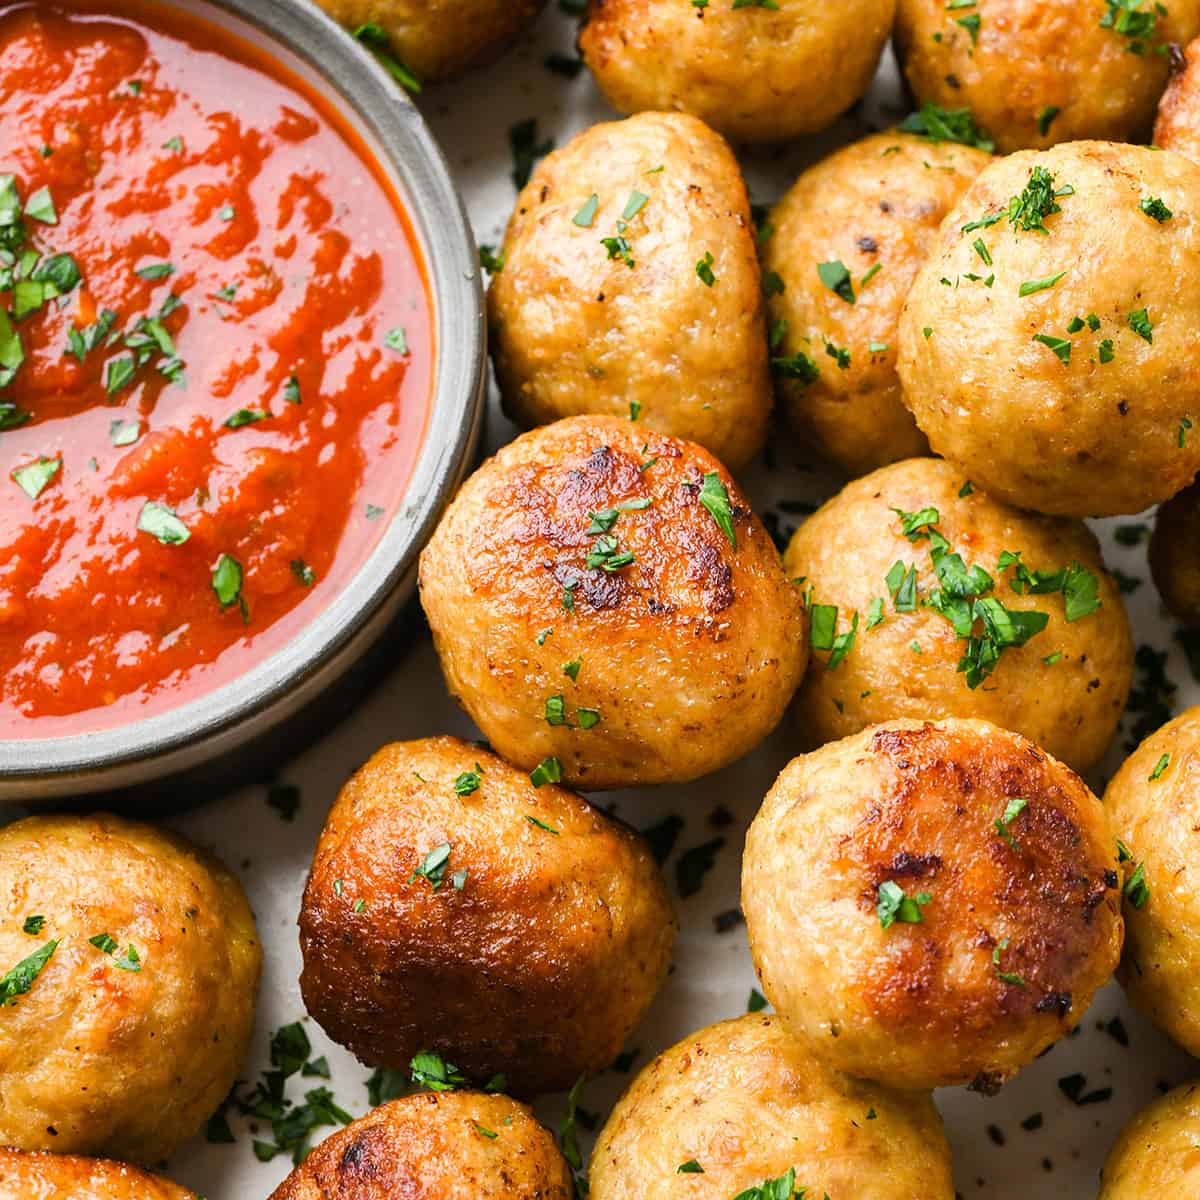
712,976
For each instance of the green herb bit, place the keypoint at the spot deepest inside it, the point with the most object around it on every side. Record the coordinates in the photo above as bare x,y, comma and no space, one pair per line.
947,125
161,522
585,217
433,866
704,269
549,770
1141,324
376,40
715,499
1032,286
1012,810
836,277
1160,768
541,824
431,1071
33,478
20,978
1154,208
1005,976
893,905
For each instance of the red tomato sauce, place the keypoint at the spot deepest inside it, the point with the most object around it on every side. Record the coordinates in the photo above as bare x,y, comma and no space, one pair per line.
208,429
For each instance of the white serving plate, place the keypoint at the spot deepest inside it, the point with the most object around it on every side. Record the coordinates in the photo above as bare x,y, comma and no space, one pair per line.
994,1155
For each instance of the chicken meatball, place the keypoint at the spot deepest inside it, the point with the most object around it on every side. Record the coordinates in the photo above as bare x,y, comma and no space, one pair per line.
42,1176
930,599
1048,345
1178,124
744,1103
1037,72
1151,803
435,1146
756,72
931,903
132,965
631,284
438,39
453,906
1159,1150
1175,554
845,245
609,610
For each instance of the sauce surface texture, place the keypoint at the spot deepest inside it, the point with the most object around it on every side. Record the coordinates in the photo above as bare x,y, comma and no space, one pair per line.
216,357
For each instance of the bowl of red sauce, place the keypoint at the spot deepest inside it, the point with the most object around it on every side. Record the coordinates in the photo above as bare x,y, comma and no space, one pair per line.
241,373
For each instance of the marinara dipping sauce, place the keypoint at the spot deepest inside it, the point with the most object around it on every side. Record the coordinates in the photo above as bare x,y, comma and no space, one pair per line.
216,360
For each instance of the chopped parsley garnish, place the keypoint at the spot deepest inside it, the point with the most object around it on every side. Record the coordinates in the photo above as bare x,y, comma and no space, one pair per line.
704,269
783,1188
245,416
971,23
303,572
155,271
20,978
12,417
376,40
1130,20
291,390
123,433
1160,768
715,499
33,478
549,770
691,1167
491,260
836,277
541,824
1012,810
32,926
396,339
1046,118
1032,286
893,905
1005,976
432,1072
798,366
1185,423
587,214
1154,208
1060,346
469,781
227,581
433,866
226,213
947,125
1141,324
822,626
161,522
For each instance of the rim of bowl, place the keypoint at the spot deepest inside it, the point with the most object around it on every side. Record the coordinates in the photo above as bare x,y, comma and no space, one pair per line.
356,83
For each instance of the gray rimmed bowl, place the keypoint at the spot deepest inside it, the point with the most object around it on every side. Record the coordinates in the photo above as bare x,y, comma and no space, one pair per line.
233,732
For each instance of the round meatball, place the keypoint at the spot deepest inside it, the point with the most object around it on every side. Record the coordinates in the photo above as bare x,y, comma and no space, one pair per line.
873,209
746,1103
1151,803
1037,72
1175,554
1157,1151
133,964
931,636
631,285
454,906
1178,124
435,1146
757,73
42,1176
931,903
1069,384
438,39
605,604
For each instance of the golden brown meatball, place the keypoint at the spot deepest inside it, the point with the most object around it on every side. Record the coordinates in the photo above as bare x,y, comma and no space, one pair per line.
42,1176
757,73
747,1103
1178,124
602,596
1037,72
931,903
1159,1150
631,284
1175,554
453,906
435,1146
871,210
438,39
1068,385
132,965
912,653
1151,804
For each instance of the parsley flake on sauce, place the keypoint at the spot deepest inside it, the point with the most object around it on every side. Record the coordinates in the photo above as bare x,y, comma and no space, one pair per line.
161,522
227,580
33,478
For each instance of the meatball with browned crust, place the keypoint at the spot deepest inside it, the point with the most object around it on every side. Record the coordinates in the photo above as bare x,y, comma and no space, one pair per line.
438,39
453,906
603,599
1158,1152
435,1146
951,604
757,72
43,1176
744,1102
1175,554
1047,347
631,284
1178,124
931,903
140,962
1037,72
1152,804
872,209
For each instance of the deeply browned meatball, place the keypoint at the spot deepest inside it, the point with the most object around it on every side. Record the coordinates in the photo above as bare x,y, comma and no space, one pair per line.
438,39
43,1176
1178,124
453,906
931,903
602,596
1175,554
435,1146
